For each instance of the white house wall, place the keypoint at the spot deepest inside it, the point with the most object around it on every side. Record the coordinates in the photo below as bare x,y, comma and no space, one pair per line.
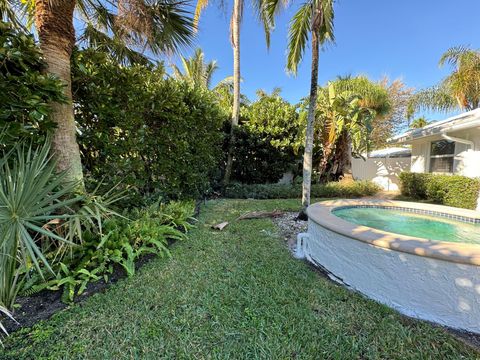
420,153
466,160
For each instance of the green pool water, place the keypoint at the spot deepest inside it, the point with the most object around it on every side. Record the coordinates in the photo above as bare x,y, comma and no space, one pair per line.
418,225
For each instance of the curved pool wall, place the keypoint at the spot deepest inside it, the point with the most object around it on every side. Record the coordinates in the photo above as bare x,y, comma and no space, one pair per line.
430,280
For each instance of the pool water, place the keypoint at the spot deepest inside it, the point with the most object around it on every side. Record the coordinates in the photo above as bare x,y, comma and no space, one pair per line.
417,225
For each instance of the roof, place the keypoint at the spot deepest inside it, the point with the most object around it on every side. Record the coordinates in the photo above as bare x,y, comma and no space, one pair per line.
466,120
392,152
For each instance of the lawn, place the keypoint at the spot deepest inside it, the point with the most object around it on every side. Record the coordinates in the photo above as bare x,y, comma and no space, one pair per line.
235,294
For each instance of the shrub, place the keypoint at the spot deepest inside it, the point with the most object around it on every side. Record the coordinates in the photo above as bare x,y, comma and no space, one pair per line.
153,135
25,91
450,190
256,160
283,191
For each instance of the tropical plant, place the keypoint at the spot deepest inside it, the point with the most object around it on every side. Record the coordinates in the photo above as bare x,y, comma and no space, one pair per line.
459,90
31,197
384,127
25,91
314,20
196,70
419,123
157,25
7,313
261,9
346,110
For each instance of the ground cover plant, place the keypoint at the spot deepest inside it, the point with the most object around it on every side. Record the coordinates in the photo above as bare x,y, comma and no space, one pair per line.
232,294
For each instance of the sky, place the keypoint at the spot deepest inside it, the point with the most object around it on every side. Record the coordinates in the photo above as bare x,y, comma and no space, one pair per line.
395,38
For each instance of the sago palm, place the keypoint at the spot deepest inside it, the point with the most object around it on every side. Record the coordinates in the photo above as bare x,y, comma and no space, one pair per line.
157,25
261,7
459,90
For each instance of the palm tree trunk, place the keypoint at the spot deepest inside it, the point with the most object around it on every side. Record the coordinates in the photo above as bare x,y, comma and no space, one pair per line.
308,154
235,28
54,23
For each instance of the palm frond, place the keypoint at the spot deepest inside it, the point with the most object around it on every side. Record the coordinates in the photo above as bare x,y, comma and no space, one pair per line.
298,34
437,98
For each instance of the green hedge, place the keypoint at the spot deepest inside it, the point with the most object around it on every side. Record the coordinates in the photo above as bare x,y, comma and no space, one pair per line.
157,136
283,191
452,190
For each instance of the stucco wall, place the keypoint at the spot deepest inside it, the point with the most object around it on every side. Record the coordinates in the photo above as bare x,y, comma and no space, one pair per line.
441,291
382,171
466,161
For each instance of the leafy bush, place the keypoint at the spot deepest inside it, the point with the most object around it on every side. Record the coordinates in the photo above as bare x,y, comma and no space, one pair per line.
156,136
122,242
451,190
256,160
267,141
283,191
25,92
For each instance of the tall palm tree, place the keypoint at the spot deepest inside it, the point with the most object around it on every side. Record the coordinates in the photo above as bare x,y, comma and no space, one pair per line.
157,25
459,90
196,70
314,20
261,9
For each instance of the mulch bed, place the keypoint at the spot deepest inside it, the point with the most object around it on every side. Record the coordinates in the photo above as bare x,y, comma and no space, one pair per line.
41,306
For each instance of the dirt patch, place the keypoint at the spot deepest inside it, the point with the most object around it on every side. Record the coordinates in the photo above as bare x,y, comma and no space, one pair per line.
290,227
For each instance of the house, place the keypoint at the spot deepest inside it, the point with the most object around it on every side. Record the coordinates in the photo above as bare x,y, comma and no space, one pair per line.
449,146
382,167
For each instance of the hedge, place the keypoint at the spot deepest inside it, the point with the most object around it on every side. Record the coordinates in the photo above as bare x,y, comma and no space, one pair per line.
284,191
452,190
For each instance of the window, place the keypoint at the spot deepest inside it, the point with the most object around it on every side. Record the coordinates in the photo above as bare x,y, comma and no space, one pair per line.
441,156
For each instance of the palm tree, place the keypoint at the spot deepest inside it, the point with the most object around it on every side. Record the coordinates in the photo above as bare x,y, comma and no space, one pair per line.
157,25
313,19
459,90
419,123
196,70
261,8
346,110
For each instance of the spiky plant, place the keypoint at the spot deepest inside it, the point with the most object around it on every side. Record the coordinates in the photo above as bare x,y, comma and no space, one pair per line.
32,194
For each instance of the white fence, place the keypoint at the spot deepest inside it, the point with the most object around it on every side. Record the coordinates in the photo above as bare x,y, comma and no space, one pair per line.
383,171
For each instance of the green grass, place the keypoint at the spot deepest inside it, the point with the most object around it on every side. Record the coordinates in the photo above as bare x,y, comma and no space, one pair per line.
235,294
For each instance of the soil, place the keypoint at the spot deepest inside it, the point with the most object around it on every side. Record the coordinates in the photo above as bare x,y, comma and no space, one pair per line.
289,227
44,304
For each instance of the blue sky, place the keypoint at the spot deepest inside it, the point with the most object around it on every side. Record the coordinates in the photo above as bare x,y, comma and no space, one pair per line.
399,39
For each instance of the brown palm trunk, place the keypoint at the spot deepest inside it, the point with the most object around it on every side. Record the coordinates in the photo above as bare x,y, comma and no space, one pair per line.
235,29
308,154
54,23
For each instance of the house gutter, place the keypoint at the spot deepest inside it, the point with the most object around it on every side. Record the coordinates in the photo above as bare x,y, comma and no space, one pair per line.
459,140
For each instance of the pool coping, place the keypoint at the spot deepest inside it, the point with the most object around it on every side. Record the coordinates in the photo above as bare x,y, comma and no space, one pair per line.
461,253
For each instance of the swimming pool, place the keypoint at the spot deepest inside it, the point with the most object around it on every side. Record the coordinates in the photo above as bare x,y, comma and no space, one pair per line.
405,222
420,259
